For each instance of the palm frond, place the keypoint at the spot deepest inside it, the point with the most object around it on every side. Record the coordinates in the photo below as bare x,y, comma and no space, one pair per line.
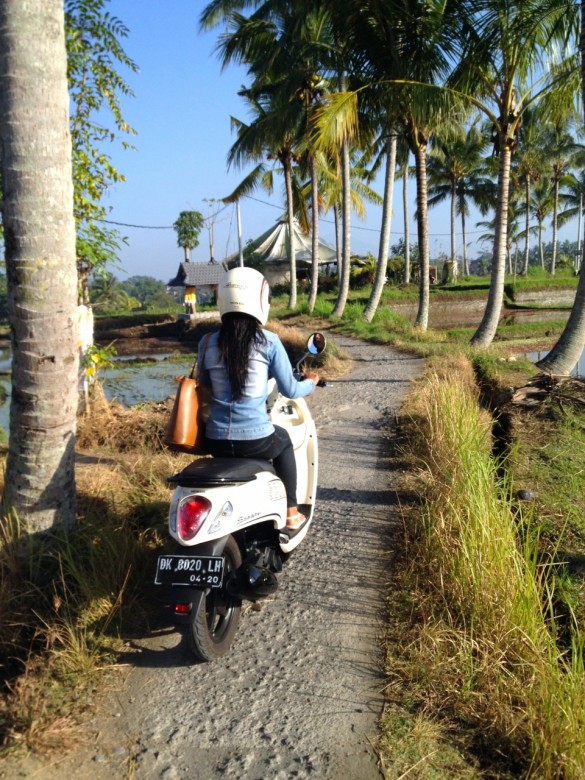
335,121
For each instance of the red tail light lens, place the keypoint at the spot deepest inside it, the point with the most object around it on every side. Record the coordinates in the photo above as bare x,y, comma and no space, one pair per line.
191,516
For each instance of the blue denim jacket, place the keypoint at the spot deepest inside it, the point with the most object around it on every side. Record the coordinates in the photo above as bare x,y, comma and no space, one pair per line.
247,417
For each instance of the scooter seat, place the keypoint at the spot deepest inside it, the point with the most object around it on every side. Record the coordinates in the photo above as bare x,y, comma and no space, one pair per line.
210,472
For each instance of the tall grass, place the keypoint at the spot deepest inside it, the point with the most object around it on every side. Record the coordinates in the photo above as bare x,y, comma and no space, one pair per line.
66,599
488,649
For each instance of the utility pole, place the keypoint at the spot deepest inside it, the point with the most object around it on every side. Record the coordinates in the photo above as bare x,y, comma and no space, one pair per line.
239,224
210,223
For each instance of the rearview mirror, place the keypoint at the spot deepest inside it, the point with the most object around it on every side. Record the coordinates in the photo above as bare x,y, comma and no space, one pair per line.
316,343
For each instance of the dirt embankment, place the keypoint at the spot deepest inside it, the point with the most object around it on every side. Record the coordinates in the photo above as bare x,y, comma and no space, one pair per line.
152,334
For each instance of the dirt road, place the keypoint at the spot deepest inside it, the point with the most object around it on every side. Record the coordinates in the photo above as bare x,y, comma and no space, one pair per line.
300,694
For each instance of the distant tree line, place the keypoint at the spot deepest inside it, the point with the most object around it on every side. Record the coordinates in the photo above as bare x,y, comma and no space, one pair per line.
108,294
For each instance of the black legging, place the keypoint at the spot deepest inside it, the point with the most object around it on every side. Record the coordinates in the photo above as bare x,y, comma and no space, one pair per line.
277,447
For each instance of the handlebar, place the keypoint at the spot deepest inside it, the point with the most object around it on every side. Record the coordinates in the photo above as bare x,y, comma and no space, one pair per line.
321,383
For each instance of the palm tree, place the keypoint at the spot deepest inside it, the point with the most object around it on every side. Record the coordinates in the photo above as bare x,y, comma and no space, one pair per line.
188,226
367,40
513,235
566,352
382,261
346,135
541,206
284,49
456,171
108,292
560,150
528,170
274,132
406,46
331,185
510,64
310,56
429,47
404,172
272,135
41,263
573,200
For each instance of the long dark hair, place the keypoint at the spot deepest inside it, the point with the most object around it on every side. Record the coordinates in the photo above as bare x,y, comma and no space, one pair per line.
239,333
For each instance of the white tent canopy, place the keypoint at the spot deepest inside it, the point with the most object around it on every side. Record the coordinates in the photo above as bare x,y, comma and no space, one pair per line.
271,246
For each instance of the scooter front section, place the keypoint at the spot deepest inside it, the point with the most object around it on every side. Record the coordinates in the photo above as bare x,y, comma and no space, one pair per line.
294,416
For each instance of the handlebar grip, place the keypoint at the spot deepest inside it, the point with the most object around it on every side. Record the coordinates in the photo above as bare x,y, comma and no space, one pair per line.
322,383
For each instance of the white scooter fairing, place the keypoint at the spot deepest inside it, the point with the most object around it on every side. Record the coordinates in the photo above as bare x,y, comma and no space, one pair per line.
243,491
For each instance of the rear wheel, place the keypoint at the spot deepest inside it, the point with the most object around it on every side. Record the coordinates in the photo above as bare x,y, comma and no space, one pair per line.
212,631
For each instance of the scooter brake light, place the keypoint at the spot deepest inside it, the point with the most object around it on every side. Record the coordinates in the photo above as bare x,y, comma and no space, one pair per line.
191,515
182,609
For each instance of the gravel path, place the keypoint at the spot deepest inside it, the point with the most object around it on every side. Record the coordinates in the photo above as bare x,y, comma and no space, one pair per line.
300,694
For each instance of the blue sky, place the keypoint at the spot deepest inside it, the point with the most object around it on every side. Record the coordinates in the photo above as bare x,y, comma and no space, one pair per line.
181,112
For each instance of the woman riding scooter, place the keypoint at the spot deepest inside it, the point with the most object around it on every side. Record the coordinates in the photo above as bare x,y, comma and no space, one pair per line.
236,363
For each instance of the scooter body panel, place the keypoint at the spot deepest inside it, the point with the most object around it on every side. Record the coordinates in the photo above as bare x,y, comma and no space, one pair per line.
233,507
253,494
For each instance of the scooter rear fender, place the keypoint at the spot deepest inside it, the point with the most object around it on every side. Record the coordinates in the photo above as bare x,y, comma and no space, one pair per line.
232,508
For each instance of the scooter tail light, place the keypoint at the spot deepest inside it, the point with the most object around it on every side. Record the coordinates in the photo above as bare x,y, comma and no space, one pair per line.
191,515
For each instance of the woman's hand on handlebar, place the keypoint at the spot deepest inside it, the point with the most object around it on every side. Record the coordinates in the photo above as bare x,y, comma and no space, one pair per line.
312,375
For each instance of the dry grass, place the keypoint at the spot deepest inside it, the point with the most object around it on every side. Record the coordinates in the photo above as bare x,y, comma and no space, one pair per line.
108,424
63,604
480,647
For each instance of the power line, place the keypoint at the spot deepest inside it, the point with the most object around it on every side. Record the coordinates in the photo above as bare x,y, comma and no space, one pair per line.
360,227
160,227
271,205
142,227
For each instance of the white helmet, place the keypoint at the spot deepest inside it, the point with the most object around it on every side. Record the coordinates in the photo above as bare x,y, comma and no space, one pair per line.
244,291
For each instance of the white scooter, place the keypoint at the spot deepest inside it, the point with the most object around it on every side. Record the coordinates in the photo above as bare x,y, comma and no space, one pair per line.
228,516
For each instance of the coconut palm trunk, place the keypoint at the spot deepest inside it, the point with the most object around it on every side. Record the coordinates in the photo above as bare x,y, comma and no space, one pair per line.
486,331
566,352
553,261
420,161
453,224
40,262
382,264
292,299
338,255
406,212
315,233
464,240
346,236
526,227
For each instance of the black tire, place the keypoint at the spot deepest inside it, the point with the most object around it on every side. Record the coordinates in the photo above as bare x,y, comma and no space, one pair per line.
212,631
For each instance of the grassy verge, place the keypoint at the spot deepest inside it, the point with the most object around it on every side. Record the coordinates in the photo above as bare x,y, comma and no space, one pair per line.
65,599
481,640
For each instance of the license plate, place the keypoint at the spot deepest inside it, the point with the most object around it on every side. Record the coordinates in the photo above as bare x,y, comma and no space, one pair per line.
196,571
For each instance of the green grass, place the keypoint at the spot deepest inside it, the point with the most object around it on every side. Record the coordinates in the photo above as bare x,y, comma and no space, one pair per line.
556,467
487,652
